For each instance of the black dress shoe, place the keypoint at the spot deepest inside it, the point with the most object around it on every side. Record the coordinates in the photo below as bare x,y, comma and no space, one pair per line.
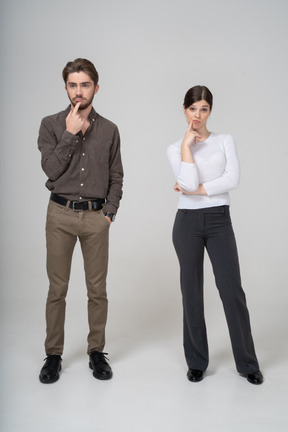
255,378
194,375
50,371
101,369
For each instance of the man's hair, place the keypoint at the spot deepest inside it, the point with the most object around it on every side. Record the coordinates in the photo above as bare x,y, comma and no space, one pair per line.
81,65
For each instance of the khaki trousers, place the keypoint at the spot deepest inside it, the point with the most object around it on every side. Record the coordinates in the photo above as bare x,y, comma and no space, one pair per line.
63,227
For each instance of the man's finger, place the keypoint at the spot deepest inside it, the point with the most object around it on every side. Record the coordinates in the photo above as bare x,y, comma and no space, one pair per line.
75,110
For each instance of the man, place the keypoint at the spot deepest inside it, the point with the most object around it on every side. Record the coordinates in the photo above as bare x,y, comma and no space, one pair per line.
80,154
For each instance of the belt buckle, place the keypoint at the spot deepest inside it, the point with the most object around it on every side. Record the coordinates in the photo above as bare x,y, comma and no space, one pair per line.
73,206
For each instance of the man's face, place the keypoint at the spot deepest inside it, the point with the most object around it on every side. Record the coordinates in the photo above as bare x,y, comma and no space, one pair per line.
80,88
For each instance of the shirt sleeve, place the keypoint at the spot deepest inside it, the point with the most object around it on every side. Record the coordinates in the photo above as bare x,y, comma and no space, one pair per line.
186,174
55,154
114,194
231,174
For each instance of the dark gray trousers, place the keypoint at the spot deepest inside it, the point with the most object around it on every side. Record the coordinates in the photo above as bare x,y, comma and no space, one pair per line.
211,228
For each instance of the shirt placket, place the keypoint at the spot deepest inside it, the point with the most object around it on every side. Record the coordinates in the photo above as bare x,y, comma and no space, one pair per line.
83,168
84,160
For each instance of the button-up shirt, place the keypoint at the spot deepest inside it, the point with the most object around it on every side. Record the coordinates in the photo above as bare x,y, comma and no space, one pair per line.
82,167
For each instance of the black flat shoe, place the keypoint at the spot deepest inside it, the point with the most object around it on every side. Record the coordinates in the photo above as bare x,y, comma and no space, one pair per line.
194,375
51,369
255,378
101,369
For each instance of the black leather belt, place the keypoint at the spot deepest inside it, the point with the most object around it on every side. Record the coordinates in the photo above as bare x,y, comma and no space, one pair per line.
78,206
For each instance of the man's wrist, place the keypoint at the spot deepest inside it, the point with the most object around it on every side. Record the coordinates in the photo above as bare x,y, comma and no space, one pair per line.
110,215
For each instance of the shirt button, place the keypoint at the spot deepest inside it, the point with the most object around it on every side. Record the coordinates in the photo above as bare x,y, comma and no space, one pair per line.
80,197
83,154
83,138
81,184
77,141
83,169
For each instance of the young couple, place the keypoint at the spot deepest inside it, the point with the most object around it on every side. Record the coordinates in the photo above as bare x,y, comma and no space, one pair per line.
80,154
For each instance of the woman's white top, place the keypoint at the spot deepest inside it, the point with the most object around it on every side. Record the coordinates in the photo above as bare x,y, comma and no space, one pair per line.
216,167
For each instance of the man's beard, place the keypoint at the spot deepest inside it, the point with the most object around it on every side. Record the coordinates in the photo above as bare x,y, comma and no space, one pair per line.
83,104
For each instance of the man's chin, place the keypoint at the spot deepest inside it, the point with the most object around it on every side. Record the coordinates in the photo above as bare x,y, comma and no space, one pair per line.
82,105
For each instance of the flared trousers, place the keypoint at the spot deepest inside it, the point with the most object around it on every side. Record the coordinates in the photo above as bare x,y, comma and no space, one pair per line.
211,229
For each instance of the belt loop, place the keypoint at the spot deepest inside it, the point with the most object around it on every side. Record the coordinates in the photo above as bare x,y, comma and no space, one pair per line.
67,205
89,205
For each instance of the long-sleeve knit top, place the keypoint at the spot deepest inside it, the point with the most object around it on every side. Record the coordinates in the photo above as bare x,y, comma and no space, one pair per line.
216,167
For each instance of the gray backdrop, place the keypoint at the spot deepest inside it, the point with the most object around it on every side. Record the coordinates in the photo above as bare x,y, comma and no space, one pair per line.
147,54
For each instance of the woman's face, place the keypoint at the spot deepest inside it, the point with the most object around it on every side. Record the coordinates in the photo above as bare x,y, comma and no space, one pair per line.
198,112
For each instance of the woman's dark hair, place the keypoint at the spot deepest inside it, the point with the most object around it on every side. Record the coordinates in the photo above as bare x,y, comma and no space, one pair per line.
81,65
196,94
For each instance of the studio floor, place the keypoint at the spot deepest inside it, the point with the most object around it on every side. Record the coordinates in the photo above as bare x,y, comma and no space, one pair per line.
149,391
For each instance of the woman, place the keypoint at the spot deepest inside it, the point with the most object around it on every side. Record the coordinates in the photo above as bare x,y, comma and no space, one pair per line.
206,167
